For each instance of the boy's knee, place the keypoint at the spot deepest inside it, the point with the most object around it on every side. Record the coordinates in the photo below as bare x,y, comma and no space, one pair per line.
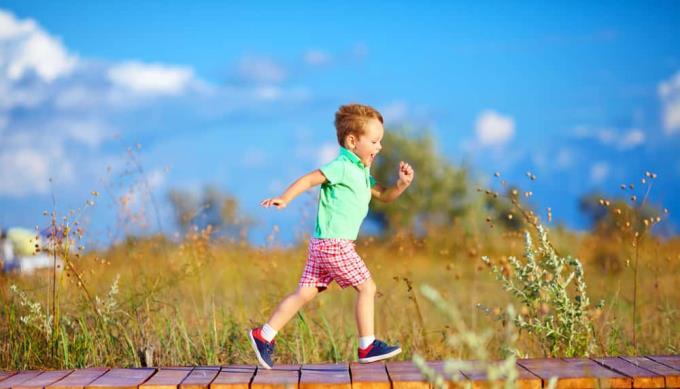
307,294
367,287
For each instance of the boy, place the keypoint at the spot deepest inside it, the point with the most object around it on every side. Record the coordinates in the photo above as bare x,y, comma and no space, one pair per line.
346,189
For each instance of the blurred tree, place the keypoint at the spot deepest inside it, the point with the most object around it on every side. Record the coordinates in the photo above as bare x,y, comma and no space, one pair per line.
185,205
211,208
608,217
502,211
438,193
613,222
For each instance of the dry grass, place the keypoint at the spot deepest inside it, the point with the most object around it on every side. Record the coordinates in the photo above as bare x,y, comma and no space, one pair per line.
193,303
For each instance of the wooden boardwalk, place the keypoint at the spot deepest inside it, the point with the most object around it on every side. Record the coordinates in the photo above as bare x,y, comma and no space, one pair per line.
572,373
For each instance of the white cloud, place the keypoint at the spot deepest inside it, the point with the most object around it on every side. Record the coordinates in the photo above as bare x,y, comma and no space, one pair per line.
317,57
631,139
621,140
253,158
261,70
151,78
494,129
267,92
57,110
25,48
326,153
89,132
669,92
598,172
397,111
564,158
27,170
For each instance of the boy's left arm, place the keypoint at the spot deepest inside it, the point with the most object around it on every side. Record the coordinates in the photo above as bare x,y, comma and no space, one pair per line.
387,195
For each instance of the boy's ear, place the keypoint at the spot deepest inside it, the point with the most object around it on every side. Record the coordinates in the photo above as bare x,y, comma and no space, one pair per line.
350,141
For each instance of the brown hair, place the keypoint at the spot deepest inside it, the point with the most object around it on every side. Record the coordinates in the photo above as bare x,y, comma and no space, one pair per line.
351,118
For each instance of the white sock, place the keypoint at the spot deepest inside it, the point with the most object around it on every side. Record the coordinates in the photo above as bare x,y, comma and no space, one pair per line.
366,341
268,333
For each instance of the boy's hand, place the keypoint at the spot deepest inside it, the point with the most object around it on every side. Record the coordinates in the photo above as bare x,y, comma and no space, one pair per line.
276,201
406,174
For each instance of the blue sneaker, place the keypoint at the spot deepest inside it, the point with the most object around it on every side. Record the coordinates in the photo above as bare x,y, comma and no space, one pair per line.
377,351
263,349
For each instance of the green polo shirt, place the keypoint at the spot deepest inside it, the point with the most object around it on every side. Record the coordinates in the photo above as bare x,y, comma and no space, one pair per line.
344,197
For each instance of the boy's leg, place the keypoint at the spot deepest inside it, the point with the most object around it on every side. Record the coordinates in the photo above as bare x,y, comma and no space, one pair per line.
290,305
365,307
262,338
370,349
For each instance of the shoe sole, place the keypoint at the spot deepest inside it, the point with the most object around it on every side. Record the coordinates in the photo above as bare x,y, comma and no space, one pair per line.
380,357
257,352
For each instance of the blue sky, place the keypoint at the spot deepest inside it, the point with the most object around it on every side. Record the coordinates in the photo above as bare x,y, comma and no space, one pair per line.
586,95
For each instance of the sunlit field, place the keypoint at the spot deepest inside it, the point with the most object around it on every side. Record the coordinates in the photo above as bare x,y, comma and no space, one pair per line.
155,302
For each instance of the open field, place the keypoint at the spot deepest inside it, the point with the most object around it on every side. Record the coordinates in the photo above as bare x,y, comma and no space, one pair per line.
192,303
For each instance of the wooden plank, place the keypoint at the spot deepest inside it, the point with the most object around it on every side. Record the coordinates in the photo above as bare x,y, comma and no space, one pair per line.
122,378
18,379
200,377
405,375
280,377
6,374
326,376
671,376
78,379
574,373
369,376
608,378
234,377
642,378
672,361
44,379
167,378
476,373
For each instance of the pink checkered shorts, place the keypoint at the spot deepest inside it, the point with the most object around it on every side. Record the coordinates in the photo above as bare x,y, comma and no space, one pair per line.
333,260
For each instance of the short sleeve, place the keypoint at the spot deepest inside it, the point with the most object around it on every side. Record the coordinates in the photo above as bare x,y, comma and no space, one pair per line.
334,171
372,181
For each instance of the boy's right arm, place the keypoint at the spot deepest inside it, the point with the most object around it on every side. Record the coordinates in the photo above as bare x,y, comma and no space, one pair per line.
303,183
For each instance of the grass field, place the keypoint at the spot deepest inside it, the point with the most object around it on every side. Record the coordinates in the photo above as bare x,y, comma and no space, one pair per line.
162,303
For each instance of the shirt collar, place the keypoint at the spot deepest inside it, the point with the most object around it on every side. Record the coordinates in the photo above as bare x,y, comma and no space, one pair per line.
352,157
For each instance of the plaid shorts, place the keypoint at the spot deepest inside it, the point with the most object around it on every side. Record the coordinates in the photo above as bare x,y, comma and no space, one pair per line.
333,260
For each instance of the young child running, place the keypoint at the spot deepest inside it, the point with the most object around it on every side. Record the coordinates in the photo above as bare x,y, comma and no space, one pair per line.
346,189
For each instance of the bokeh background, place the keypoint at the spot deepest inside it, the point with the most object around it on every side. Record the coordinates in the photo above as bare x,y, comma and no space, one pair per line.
140,137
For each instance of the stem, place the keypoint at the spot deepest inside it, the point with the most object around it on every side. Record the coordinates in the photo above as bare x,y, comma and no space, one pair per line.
638,238
55,320
635,284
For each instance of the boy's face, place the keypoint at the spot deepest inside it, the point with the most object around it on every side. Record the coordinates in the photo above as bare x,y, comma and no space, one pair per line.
367,145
